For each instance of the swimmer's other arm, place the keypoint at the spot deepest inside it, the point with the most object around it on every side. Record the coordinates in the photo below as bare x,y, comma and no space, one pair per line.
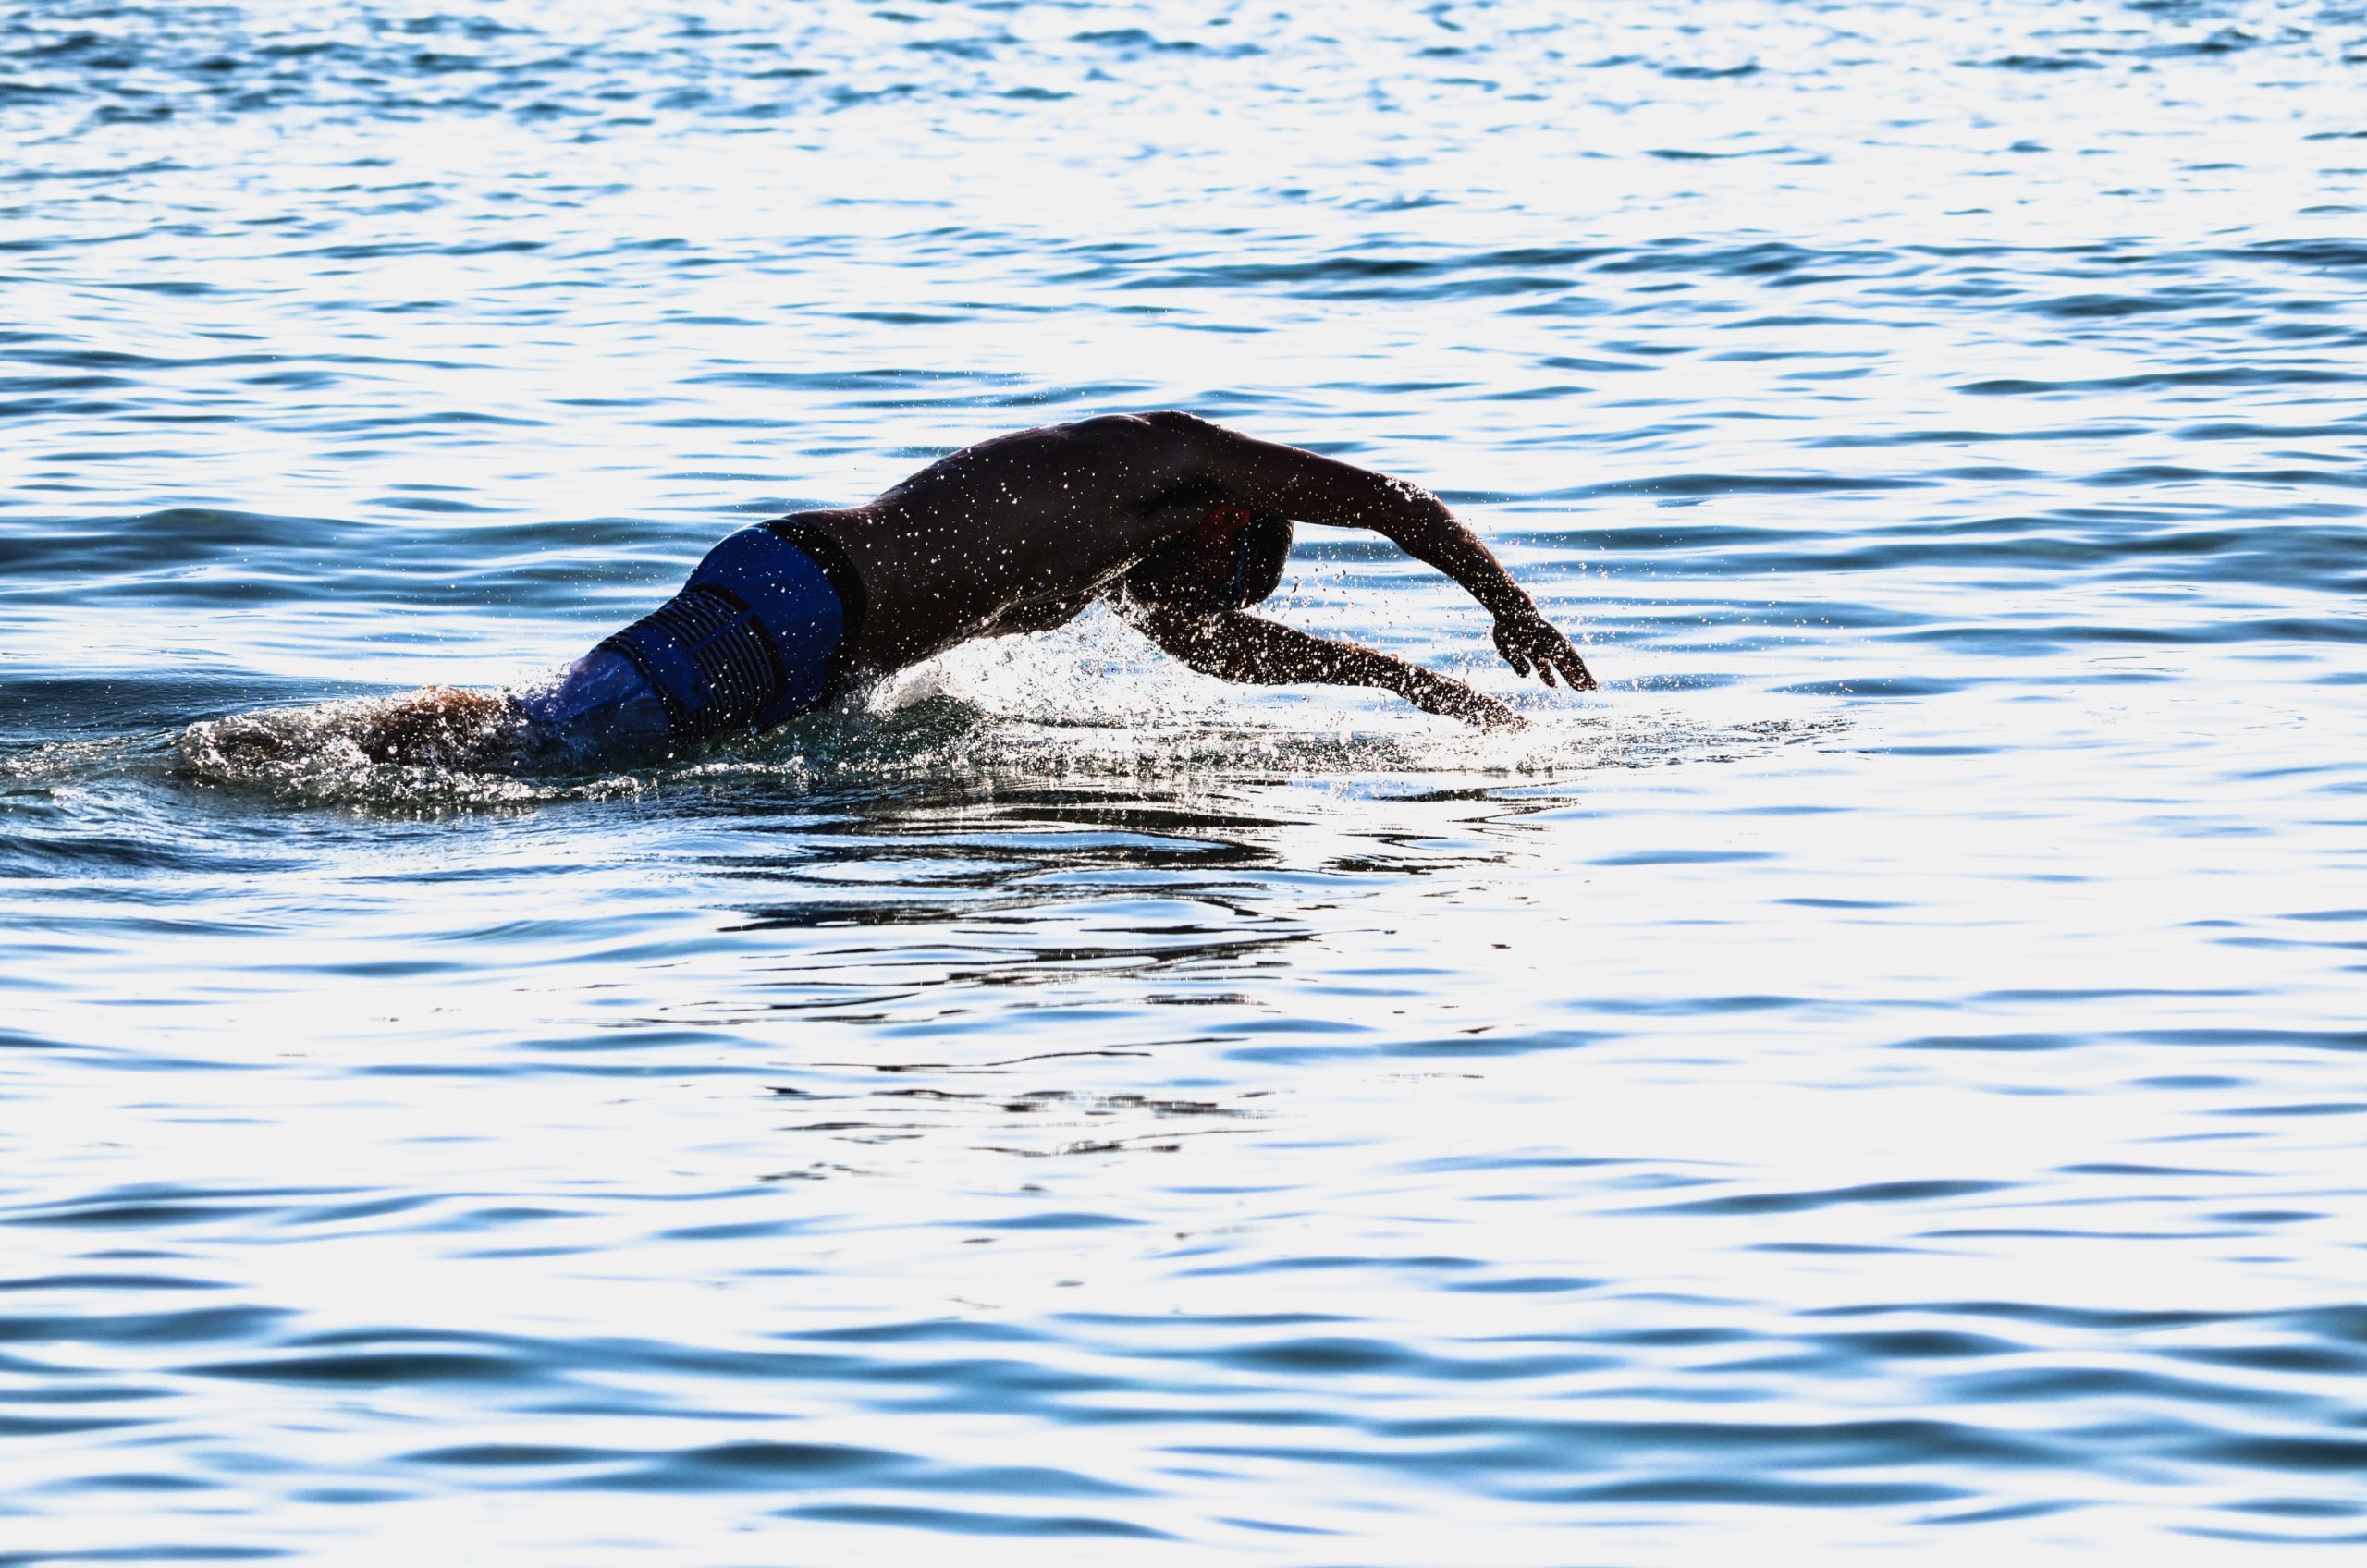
1319,489
1234,646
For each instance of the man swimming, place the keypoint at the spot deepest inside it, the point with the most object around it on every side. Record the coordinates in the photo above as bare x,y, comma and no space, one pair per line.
1179,524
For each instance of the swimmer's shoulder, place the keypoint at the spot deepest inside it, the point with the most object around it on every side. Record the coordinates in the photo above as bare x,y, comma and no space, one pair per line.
1168,423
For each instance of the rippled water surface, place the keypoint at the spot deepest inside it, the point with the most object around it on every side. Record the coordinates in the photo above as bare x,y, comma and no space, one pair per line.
1883,1078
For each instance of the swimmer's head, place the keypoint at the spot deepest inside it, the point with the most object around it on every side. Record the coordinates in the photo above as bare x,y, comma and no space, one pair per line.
1232,559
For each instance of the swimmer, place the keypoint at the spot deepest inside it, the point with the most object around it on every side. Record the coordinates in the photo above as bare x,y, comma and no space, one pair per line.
1178,524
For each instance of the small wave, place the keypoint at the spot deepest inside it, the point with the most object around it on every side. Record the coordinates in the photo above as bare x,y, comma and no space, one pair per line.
436,746
2043,63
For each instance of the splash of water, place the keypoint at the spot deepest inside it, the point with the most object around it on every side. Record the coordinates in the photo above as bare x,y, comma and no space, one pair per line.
1079,705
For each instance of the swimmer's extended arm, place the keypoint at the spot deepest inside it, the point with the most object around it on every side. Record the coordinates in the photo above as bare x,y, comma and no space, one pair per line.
1319,489
1234,646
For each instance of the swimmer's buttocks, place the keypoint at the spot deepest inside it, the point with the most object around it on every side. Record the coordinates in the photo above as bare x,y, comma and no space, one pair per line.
757,635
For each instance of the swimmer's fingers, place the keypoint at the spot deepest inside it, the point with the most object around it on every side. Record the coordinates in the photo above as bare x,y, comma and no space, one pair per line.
1563,659
1529,642
1480,710
1450,698
1510,643
1574,671
1489,713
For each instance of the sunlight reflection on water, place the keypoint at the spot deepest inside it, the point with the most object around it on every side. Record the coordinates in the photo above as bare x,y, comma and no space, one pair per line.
1881,1074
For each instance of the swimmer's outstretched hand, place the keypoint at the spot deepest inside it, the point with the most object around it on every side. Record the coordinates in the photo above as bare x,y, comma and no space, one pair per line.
1530,641
1449,698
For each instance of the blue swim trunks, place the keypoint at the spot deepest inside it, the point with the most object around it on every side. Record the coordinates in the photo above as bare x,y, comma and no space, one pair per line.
759,634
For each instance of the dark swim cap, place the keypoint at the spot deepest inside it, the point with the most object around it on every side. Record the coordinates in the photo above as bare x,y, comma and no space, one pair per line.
1230,559
1262,551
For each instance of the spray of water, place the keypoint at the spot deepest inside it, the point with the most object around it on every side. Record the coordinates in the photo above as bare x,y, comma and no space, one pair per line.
1086,703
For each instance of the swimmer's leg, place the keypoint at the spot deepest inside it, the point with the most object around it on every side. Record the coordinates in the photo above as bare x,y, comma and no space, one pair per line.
603,712
757,635
439,726
604,709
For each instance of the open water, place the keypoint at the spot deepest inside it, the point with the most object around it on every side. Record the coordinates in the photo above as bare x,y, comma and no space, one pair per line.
1883,1079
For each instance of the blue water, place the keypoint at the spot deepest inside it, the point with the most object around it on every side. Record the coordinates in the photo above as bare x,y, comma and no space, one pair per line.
1884,1078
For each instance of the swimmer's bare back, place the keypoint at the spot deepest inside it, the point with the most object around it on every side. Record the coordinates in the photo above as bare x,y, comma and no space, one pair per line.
1153,513
1028,525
